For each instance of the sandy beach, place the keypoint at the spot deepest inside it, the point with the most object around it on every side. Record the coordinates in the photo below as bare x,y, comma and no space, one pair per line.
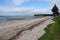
24,29
36,32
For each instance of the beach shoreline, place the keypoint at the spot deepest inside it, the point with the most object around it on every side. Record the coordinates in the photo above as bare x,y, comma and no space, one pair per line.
9,30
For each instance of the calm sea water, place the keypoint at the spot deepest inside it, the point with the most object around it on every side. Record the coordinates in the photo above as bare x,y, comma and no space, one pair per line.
10,18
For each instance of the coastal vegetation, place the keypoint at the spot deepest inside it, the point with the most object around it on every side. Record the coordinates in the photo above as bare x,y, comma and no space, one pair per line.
52,30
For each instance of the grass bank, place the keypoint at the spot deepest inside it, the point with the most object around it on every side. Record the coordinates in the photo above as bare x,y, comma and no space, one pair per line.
52,30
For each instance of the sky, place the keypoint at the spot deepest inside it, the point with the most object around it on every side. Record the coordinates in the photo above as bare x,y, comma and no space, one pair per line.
27,7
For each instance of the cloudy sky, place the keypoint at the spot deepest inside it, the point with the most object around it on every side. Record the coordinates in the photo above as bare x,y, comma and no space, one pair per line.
27,7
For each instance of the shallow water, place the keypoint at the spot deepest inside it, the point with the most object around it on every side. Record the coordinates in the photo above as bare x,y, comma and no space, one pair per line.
10,18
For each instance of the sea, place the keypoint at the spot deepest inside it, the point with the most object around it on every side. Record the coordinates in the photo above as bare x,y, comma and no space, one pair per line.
12,18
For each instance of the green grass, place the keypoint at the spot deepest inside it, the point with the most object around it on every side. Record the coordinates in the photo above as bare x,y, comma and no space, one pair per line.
52,30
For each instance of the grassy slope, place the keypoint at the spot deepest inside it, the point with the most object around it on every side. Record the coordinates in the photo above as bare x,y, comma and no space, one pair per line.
52,31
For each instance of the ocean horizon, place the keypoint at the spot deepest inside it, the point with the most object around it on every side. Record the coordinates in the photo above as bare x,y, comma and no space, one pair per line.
10,18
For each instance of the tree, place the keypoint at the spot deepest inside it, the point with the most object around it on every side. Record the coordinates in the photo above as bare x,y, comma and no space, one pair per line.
55,11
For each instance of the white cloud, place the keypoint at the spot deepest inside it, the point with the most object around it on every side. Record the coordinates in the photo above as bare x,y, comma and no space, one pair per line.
17,2
24,11
57,2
